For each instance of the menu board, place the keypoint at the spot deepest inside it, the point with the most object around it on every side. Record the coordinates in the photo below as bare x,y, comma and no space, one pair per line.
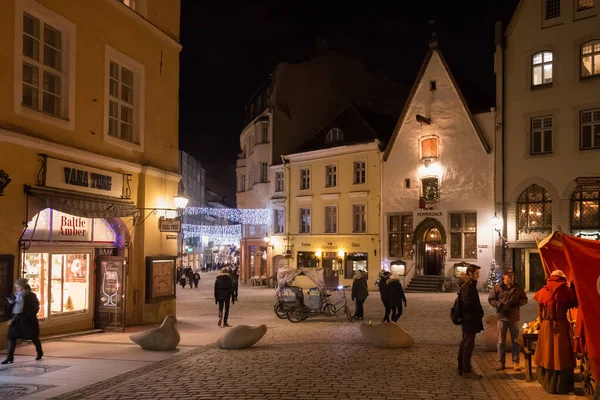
160,279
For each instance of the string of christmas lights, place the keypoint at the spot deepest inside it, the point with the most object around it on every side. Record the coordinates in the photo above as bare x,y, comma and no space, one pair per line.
219,234
247,216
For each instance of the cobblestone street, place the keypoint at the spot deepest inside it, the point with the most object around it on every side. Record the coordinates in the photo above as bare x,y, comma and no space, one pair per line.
320,358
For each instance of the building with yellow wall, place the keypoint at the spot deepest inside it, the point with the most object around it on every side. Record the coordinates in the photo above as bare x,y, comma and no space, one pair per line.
326,199
89,140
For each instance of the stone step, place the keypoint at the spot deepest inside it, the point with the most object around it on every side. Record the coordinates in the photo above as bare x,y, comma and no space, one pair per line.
421,290
427,278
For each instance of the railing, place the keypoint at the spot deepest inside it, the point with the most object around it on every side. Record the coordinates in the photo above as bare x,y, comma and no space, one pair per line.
406,274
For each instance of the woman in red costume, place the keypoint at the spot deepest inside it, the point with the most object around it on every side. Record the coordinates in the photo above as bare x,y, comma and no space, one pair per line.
554,350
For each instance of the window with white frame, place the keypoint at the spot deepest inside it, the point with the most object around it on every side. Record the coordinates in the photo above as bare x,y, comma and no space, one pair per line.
279,183
304,179
429,148
304,220
335,135
241,183
552,9
264,172
463,236
43,67
590,129
264,132
541,68
590,58
279,225
360,172
331,219
359,218
541,135
584,4
331,176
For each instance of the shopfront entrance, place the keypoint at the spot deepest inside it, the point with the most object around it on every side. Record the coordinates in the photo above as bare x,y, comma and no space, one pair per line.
430,238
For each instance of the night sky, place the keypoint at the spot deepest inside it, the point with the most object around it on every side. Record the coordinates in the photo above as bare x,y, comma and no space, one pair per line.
230,50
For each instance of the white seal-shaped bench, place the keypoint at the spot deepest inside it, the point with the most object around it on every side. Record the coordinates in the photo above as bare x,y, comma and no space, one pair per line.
242,336
163,338
386,335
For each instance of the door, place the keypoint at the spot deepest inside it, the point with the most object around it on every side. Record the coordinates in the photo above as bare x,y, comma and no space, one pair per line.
433,259
537,279
110,294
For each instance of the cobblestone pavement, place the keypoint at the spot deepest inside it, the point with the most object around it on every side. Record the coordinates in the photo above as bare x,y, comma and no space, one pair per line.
320,358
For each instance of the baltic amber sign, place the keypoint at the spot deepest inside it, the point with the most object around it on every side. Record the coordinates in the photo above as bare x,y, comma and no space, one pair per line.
82,178
71,228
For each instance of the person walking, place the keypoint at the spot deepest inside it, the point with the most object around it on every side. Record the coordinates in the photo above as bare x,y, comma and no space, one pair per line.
507,297
189,274
472,320
182,279
196,278
223,295
235,276
360,292
383,293
554,349
24,323
396,297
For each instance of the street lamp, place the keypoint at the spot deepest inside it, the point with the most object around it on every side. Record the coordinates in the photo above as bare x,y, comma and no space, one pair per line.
180,202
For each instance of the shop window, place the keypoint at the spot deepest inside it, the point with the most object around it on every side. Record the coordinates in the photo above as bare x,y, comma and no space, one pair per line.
307,259
400,235
430,189
356,262
541,68
463,236
534,209
585,209
429,148
590,58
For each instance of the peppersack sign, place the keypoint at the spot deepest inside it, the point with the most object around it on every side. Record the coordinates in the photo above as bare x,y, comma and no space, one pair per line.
82,178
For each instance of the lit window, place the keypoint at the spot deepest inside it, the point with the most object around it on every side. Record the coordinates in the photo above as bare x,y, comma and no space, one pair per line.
304,179
541,135
590,58
463,236
584,4
429,148
430,187
400,236
590,129
305,220
331,176
585,209
359,218
552,9
534,210
541,68
360,172
330,219
335,135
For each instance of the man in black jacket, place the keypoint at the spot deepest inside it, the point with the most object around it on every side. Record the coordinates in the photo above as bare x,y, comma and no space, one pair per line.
507,298
472,321
223,294
383,293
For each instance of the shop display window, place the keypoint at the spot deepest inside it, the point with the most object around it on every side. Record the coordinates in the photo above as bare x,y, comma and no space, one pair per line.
61,281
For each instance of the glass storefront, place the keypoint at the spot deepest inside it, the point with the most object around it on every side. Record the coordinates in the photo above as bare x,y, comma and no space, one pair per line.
356,262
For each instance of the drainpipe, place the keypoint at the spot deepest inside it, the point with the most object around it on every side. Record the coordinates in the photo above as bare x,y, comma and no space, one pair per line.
287,180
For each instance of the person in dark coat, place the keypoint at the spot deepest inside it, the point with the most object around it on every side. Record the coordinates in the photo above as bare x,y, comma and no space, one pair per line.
396,297
472,320
189,274
235,276
182,279
383,293
24,324
223,295
196,278
360,292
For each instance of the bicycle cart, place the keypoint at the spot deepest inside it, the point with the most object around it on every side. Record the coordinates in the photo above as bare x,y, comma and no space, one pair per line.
296,307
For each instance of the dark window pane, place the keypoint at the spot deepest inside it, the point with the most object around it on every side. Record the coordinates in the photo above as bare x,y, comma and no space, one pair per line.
394,245
456,245
536,142
547,141
471,245
456,222
586,136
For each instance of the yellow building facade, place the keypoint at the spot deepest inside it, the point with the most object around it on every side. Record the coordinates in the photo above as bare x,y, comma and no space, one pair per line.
326,212
89,142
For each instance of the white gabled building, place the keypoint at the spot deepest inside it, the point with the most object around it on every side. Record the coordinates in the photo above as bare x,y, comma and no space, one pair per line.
437,183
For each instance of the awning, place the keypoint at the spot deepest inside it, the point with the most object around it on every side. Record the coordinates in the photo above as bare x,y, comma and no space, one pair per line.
80,204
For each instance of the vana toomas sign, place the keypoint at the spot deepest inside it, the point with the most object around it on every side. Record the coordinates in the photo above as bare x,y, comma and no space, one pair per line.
82,178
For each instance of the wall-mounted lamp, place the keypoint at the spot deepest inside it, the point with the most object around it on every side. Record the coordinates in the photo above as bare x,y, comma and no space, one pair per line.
341,253
4,181
496,224
318,253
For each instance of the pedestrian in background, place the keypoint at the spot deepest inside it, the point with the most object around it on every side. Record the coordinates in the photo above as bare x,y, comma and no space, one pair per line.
24,324
223,295
360,292
396,297
507,298
472,320
235,276
189,274
196,278
383,293
182,279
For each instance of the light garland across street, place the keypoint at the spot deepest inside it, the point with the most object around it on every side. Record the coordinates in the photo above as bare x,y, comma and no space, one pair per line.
247,216
219,234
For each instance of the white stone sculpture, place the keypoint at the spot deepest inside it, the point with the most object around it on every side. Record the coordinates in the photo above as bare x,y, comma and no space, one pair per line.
163,338
386,335
242,336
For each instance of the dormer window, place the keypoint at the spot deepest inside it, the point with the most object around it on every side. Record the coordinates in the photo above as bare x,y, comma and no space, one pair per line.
429,148
335,135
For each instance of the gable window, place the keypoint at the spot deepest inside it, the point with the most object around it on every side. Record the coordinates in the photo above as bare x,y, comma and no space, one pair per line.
463,236
264,172
330,219
590,58
429,148
125,94
541,135
359,218
304,220
331,176
279,221
42,67
335,135
279,182
304,179
585,209
400,236
534,209
590,129
541,64
552,9
430,187
584,4
360,172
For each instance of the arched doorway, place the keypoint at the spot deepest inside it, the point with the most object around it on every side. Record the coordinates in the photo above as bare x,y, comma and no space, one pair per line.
430,238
